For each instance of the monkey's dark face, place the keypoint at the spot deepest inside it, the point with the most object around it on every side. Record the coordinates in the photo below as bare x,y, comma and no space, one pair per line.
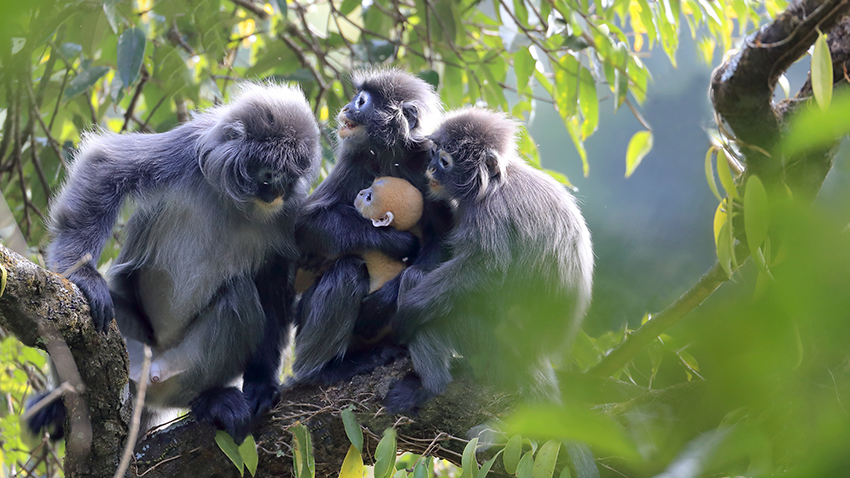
389,108
439,172
257,156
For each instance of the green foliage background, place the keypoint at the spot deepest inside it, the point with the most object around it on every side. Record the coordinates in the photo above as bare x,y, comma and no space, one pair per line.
752,385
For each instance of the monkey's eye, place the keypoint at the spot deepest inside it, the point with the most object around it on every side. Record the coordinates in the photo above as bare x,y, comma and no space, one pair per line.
445,160
362,99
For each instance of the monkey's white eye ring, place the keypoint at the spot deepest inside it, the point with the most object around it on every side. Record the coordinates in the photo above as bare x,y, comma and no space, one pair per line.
445,159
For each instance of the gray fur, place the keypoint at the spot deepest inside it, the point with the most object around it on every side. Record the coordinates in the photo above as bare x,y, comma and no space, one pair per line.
513,293
186,281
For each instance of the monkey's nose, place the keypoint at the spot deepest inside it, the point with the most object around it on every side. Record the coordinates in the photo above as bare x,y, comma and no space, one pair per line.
432,169
345,109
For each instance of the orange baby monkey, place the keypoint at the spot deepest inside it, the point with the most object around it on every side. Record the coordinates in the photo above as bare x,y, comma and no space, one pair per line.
391,202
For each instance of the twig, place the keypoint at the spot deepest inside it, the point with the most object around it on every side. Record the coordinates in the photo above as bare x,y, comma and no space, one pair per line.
651,330
158,104
253,8
137,415
80,263
132,106
47,400
637,115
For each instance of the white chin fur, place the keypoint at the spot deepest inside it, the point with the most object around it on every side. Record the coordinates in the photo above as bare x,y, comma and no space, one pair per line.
347,131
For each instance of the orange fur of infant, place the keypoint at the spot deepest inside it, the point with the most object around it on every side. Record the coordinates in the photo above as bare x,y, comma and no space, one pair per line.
390,202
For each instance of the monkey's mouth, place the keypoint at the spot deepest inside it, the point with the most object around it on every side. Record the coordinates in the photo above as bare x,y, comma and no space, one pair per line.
347,126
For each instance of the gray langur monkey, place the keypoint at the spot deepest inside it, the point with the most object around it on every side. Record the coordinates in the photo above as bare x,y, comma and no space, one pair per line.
383,133
513,293
205,273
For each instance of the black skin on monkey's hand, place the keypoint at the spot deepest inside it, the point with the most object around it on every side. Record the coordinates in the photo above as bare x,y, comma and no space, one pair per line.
261,396
94,288
227,409
406,395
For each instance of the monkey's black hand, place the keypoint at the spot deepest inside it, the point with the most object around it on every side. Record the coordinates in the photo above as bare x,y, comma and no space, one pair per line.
399,244
94,288
406,395
261,396
377,309
226,408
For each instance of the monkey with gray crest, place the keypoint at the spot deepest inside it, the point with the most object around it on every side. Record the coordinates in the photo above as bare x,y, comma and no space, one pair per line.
205,273
383,133
512,294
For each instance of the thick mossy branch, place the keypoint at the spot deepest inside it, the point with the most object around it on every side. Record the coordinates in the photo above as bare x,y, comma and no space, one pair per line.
439,429
46,311
742,87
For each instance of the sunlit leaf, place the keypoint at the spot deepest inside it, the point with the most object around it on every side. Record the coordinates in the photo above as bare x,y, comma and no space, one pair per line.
709,173
352,428
822,72
639,146
567,86
724,172
523,67
228,446
588,103
352,466
756,214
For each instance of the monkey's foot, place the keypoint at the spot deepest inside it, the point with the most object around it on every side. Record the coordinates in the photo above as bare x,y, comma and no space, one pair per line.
261,396
226,408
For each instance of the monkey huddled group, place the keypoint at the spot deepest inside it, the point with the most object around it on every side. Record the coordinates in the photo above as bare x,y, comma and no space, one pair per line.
430,237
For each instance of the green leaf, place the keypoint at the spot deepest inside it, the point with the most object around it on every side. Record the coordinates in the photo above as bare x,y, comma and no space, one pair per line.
248,452
822,72
588,103
814,128
582,460
431,77
513,450
84,80
565,473
228,446
131,52
421,468
725,175
573,422
524,65
485,468
385,454
573,129
756,213
452,91
639,146
525,467
352,428
709,173
567,86
352,466
470,465
544,465
348,6
724,249
302,452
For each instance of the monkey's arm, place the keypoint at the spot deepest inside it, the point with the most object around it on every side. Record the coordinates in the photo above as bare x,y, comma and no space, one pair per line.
108,168
437,292
378,308
339,229
275,287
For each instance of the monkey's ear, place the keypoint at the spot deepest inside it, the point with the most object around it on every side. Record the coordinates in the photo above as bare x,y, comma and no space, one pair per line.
232,130
384,221
411,114
491,160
